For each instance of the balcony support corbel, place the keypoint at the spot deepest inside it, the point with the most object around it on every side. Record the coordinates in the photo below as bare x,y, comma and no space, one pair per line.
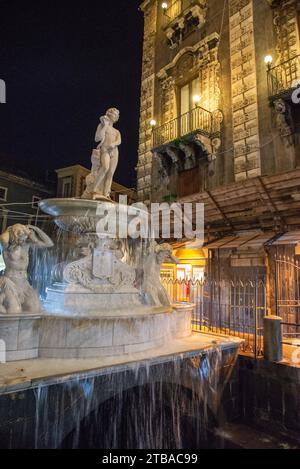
284,120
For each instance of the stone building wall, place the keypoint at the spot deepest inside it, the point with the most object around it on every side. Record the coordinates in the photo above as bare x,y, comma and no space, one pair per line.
247,162
144,168
226,51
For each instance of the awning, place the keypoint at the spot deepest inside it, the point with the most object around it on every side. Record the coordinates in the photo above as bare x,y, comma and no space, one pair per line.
291,237
254,241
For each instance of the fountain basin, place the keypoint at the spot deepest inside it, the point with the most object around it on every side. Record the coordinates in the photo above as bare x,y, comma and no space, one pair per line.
82,216
116,333
20,334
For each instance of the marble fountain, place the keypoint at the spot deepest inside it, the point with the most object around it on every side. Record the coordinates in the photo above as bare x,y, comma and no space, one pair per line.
105,310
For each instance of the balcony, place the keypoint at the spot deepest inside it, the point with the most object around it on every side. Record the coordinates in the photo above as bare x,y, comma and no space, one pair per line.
198,120
283,77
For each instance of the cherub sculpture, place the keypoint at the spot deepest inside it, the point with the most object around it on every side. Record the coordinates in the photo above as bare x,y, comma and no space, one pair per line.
105,158
16,294
155,293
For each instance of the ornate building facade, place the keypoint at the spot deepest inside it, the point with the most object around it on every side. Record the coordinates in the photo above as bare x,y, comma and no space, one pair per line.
219,123
218,115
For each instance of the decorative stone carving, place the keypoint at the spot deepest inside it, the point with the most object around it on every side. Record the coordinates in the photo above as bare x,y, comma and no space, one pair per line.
172,152
284,119
217,120
16,294
101,270
191,17
155,293
104,158
199,12
190,155
162,171
216,145
204,143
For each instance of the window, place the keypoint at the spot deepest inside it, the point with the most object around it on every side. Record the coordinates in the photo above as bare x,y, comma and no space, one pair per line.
189,98
187,94
67,187
35,200
3,194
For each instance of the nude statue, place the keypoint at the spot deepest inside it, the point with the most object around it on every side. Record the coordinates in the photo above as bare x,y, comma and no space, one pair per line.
154,291
105,158
16,294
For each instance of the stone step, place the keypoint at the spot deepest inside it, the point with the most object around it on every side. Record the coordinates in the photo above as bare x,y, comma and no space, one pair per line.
240,436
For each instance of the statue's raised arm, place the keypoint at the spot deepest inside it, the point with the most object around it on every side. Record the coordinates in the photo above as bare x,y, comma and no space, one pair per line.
16,294
38,238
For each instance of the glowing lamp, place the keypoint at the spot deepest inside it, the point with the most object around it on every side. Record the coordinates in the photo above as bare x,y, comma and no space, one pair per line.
268,60
164,6
153,122
196,99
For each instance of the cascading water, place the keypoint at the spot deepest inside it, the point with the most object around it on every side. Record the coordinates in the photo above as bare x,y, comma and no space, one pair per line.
172,404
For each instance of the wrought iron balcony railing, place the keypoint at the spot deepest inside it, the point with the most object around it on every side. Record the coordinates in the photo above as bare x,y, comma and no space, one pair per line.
282,77
175,9
198,119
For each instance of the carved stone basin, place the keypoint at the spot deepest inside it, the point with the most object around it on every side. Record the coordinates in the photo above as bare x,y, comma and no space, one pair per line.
82,216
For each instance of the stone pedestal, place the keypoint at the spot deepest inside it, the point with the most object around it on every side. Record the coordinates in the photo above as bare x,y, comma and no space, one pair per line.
273,338
19,336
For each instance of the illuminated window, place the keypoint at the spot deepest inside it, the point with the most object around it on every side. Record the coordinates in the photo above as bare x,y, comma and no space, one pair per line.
67,187
187,94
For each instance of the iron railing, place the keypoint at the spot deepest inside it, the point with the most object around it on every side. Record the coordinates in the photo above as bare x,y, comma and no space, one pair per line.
235,308
175,9
196,119
288,295
283,77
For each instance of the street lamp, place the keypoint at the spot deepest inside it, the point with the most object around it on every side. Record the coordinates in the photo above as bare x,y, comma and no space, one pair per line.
164,6
196,99
153,123
268,61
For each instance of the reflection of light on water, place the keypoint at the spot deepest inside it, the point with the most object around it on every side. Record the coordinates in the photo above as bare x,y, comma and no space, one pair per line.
2,265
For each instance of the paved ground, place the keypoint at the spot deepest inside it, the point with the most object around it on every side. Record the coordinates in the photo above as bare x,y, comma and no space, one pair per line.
238,435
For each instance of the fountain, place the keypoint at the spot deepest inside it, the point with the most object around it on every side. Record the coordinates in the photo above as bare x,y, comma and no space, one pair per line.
104,315
105,307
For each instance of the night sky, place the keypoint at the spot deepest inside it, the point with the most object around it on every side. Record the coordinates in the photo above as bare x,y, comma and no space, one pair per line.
64,64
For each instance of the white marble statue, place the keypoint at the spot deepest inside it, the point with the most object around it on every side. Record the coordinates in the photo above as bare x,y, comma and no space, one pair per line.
105,158
16,294
155,293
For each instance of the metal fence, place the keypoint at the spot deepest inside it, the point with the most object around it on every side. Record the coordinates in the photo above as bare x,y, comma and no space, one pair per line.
196,119
235,308
288,295
282,77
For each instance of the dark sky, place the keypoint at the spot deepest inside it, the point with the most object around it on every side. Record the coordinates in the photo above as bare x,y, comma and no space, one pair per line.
64,64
